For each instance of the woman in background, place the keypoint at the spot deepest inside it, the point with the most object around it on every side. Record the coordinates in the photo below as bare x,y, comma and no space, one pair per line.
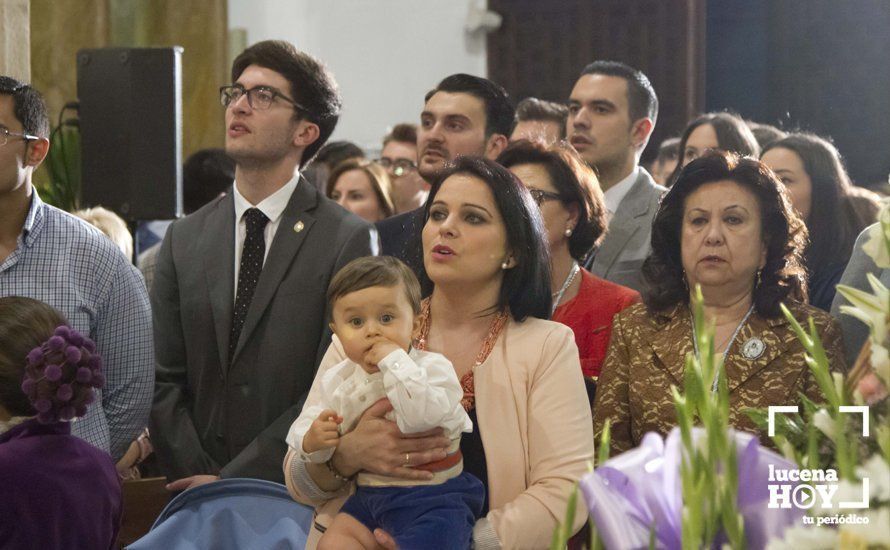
571,203
722,131
363,188
835,213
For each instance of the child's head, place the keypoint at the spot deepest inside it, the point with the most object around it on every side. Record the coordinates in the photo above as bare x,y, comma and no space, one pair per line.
370,298
46,368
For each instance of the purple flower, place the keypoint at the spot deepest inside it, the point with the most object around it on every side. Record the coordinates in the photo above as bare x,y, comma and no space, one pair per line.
98,380
35,356
64,392
75,338
52,372
83,375
67,412
56,343
28,385
89,345
94,362
81,410
64,331
72,354
43,405
89,399
46,418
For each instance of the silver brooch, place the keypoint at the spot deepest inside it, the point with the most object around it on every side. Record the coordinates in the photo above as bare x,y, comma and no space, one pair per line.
753,348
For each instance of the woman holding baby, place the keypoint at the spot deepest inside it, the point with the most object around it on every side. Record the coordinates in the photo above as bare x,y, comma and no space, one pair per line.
486,279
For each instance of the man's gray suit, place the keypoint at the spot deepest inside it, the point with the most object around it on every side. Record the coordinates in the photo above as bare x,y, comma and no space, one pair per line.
627,242
208,416
855,331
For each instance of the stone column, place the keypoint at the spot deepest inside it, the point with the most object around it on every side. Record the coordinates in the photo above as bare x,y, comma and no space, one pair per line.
15,39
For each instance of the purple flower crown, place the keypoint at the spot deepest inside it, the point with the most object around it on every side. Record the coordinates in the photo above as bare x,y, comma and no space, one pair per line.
61,374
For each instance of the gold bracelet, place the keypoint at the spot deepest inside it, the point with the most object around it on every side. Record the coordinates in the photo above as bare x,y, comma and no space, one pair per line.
336,473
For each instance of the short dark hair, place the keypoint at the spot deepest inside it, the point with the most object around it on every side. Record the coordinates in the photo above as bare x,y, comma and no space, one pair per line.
499,110
311,85
834,225
532,108
577,184
783,275
402,133
765,133
641,98
369,271
669,149
525,290
380,182
25,324
27,106
205,175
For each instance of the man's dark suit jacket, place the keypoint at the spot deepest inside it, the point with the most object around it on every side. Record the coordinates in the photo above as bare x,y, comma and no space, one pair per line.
208,416
400,237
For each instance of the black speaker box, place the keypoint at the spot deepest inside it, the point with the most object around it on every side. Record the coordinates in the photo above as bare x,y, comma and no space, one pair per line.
131,130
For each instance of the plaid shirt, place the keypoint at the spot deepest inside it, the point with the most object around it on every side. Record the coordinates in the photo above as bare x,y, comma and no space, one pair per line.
68,264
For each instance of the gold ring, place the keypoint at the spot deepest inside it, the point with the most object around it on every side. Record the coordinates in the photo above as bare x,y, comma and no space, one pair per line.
407,459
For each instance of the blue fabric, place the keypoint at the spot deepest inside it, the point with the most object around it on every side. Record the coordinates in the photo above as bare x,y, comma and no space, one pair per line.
422,516
232,514
67,263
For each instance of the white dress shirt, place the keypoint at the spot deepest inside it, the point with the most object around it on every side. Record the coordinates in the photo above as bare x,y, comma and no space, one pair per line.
615,194
422,387
272,206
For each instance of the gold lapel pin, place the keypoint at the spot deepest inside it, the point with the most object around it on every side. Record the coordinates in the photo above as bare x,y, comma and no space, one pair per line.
298,226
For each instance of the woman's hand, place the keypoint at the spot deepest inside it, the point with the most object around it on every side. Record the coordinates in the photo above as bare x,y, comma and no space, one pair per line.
377,446
385,540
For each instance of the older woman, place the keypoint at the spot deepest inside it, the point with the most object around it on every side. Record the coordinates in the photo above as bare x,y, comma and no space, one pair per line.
723,131
363,188
727,226
487,277
571,203
821,192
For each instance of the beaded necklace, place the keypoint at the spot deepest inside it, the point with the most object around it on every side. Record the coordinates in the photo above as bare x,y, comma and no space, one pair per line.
467,381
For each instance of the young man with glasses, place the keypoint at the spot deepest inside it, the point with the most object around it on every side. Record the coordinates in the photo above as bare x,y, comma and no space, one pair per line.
239,292
399,158
49,255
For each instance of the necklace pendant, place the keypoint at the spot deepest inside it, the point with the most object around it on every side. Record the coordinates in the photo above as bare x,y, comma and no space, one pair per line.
753,348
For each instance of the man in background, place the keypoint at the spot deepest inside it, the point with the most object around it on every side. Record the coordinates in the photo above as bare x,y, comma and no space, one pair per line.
539,120
463,115
612,112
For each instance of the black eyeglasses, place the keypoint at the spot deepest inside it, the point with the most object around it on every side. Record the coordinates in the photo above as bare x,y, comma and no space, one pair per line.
259,97
540,196
399,166
6,134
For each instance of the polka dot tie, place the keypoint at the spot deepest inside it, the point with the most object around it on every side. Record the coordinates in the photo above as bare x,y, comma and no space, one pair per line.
249,273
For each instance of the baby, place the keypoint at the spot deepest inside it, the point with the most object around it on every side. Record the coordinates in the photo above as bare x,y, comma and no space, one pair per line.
375,304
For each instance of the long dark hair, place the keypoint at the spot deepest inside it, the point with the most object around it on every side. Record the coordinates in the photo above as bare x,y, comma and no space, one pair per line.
525,289
784,233
837,222
733,135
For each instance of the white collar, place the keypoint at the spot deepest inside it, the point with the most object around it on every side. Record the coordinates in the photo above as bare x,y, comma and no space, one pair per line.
272,206
615,194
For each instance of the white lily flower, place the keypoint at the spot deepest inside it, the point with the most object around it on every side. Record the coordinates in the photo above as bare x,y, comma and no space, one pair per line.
805,536
878,473
875,533
825,423
880,362
876,246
